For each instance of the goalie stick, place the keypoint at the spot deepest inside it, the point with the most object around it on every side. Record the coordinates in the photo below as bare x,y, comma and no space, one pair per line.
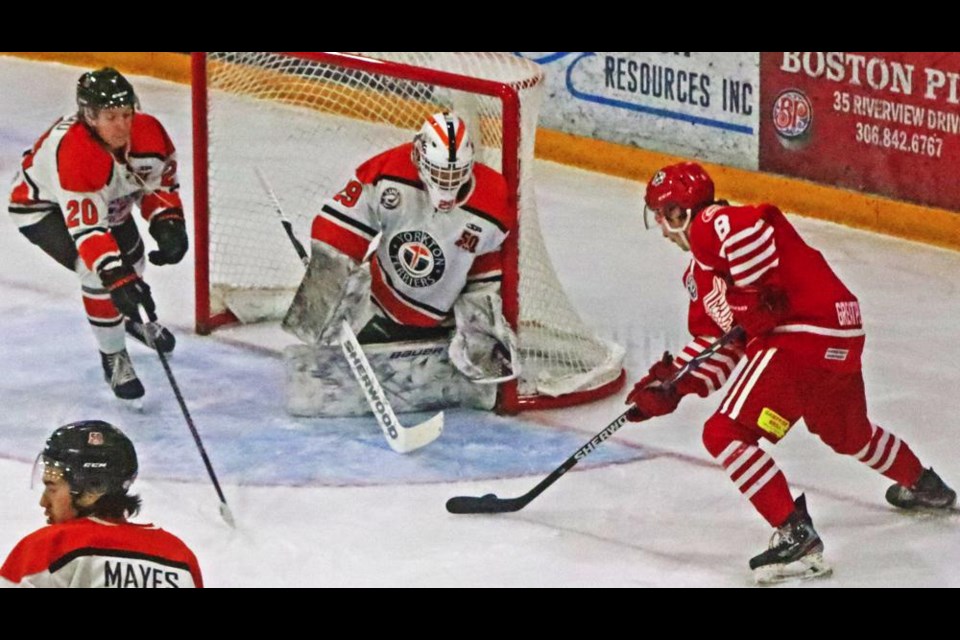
490,503
304,258
401,439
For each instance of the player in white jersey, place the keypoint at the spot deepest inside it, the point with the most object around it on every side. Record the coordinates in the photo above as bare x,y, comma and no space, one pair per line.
440,220
74,196
88,468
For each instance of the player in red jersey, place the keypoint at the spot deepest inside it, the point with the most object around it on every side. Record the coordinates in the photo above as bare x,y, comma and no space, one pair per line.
73,197
803,342
88,468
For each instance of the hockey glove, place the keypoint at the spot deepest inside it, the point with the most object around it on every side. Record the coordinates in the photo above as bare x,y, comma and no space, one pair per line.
651,402
128,291
484,347
649,397
170,231
757,309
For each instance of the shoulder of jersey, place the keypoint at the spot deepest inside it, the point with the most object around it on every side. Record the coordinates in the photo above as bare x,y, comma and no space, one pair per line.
47,544
148,137
490,196
707,233
83,165
392,163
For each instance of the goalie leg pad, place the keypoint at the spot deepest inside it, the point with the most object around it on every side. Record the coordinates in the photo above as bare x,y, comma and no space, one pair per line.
415,376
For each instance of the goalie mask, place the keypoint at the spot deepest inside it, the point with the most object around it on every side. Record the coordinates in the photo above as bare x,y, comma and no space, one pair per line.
674,195
92,456
443,153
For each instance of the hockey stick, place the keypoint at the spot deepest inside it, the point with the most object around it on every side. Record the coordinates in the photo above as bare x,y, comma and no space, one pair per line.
152,331
304,258
401,439
490,503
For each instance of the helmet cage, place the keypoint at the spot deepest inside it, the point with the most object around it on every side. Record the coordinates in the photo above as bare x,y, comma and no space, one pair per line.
443,153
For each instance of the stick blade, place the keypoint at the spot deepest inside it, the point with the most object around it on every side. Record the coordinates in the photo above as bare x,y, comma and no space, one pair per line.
419,435
485,504
227,515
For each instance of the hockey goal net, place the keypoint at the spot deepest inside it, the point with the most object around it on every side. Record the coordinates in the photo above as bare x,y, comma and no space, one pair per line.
306,121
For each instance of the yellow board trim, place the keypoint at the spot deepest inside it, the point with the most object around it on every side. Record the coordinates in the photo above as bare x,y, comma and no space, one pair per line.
902,219
159,64
931,225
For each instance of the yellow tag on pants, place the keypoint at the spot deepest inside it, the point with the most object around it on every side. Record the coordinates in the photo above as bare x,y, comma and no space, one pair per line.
771,422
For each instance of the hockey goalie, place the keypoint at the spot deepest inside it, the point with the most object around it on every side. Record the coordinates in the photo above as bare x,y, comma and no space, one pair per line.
408,253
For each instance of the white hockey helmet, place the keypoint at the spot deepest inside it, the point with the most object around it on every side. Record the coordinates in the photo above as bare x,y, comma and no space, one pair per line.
443,153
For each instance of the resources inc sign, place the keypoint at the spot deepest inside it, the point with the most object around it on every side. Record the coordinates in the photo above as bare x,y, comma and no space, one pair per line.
694,104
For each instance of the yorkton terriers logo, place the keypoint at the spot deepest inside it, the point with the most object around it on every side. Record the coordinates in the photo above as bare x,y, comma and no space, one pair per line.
417,258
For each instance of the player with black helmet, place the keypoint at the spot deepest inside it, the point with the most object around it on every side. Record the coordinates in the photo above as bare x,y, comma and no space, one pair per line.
74,196
87,470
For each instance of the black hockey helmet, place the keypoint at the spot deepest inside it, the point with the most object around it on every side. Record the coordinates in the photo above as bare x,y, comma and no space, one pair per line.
93,456
105,88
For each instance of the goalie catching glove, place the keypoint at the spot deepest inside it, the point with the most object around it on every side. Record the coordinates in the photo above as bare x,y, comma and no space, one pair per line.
484,347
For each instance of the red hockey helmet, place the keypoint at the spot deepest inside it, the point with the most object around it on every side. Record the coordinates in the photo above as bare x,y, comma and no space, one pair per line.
686,185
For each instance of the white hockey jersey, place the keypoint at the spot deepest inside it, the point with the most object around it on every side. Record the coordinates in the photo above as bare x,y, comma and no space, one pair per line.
425,258
90,552
69,172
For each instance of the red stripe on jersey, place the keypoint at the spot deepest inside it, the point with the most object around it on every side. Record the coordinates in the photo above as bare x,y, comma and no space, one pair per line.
393,304
713,372
95,246
100,308
82,164
159,201
487,264
340,238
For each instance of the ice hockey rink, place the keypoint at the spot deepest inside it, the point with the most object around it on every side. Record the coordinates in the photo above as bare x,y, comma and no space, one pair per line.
326,503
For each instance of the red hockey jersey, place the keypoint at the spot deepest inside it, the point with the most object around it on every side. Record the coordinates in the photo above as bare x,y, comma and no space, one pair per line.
756,245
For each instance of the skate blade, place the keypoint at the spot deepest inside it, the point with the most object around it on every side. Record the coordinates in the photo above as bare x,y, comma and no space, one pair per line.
807,568
927,513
